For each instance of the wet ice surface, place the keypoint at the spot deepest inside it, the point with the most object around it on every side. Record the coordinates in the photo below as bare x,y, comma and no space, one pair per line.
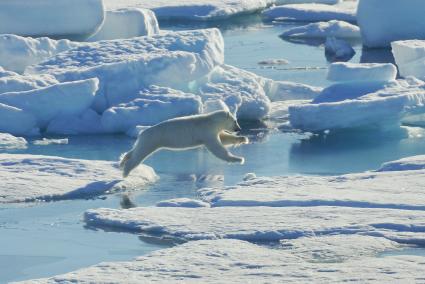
40,240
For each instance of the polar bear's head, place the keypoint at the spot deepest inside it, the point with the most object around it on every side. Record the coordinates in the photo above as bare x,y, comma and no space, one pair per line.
226,121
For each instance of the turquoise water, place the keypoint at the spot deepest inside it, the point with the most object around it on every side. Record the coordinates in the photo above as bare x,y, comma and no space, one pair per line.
39,240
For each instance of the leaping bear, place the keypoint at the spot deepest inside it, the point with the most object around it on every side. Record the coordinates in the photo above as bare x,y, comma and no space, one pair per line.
212,130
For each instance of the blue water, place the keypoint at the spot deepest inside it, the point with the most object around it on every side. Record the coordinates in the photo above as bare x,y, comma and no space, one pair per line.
39,240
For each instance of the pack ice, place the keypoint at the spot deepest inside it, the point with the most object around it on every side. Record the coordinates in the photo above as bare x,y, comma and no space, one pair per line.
410,57
45,178
365,95
60,18
333,28
396,20
322,259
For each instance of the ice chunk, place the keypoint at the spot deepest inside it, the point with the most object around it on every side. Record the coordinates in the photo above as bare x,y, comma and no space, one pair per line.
348,258
285,90
182,202
410,57
362,72
396,20
16,121
124,67
22,176
13,82
59,18
17,52
273,62
338,50
335,108
89,122
333,28
312,12
127,23
406,164
70,98
153,106
46,141
10,142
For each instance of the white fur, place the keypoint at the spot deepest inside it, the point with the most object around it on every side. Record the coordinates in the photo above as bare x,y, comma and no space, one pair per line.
211,130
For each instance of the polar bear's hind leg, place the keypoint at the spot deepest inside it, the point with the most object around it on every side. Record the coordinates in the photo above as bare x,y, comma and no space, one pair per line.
133,158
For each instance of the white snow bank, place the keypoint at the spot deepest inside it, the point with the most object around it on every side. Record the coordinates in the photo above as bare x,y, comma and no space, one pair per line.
338,50
13,82
395,20
124,67
333,28
182,202
10,142
152,106
16,121
410,57
402,190
285,90
32,177
46,103
262,223
312,12
77,18
17,52
242,262
362,72
127,23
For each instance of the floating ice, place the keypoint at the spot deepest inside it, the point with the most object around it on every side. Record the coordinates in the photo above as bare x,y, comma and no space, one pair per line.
127,23
10,142
362,72
396,20
182,202
153,106
88,122
345,259
124,67
13,82
71,98
46,141
338,50
283,90
273,62
333,28
410,57
77,18
17,52
312,12
406,164
32,177
16,121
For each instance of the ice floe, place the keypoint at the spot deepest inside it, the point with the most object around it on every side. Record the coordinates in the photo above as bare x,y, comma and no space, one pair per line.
362,72
32,177
333,28
405,164
396,20
182,202
47,141
78,18
14,82
410,57
215,261
338,50
16,121
88,122
10,142
345,11
127,23
124,67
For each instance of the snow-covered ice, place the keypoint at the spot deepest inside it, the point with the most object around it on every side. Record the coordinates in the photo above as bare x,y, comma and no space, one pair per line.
71,98
17,52
345,11
152,106
362,72
127,23
16,121
47,141
395,20
124,67
410,57
215,261
88,122
14,82
59,18
33,177
10,142
182,202
338,50
333,28
405,164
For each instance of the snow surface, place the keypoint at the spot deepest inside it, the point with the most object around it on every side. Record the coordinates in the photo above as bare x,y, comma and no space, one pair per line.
182,202
14,82
242,262
152,106
333,28
59,18
338,50
46,141
16,121
406,164
362,72
33,177
127,23
46,103
10,142
312,12
17,52
124,67
410,57
396,20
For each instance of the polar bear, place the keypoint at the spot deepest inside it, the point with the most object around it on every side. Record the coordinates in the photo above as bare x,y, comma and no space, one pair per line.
212,130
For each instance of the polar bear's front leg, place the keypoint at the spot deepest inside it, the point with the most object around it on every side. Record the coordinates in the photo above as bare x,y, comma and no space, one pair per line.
227,138
216,148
